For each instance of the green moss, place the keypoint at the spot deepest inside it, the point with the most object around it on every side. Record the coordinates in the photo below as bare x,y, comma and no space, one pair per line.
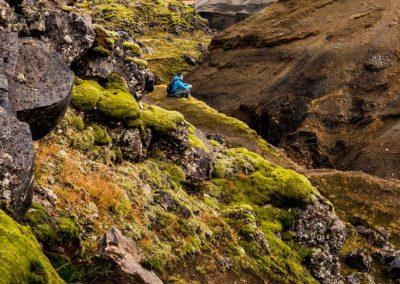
111,102
102,51
132,47
21,258
196,142
84,140
138,61
118,105
86,95
49,230
75,120
117,82
161,120
101,136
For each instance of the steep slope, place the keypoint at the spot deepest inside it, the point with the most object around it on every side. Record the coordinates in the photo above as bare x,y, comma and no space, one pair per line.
318,78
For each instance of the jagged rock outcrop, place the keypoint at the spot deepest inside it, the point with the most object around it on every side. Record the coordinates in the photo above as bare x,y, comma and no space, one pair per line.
222,14
116,52
35,85
319,227
127,256
323,83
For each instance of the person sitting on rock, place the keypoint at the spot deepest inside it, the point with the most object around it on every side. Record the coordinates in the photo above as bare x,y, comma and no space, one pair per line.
178,88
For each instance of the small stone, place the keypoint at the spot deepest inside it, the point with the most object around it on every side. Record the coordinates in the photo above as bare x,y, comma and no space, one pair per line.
21,78
377,63
126,255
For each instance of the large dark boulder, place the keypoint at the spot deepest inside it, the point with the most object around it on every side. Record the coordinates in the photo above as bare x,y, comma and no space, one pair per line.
40,87
16,163
316,78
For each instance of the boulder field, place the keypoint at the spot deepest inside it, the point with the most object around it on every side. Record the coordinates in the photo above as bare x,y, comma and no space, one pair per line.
317,78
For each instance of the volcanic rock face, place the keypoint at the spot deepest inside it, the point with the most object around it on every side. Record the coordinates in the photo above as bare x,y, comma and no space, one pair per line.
222,14
318,78
35,85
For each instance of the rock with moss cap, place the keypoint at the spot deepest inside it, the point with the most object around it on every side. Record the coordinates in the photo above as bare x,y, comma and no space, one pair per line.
116,52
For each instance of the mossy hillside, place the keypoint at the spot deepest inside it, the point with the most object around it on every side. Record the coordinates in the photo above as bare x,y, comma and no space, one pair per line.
150,203
108,101
210,121
21,258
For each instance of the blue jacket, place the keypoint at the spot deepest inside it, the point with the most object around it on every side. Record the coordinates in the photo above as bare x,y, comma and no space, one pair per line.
178,85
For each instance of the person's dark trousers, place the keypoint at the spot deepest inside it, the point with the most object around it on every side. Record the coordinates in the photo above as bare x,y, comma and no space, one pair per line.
183,94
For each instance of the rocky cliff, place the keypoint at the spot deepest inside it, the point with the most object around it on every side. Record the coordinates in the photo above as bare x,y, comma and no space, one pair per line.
222,14
317,78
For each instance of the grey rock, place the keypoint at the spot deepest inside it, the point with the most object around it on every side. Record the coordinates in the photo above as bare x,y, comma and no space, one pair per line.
325,267
377,63
126,255
16,164
130,143
394,268
43,99
70,34
359,260
197,163
318,226
375,236
8,52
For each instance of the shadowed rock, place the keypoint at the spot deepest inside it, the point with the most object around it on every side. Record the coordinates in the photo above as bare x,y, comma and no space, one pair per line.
124,252
39,90
16,163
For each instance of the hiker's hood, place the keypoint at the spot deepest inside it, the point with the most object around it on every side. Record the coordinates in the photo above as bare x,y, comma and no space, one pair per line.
177,78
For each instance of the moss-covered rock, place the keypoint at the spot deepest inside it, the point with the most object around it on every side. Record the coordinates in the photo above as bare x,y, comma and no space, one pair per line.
132,47
161,120
21,258
101,136
50,231
111,101
138,61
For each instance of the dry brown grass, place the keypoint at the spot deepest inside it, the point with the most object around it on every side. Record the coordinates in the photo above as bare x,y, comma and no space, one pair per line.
96,186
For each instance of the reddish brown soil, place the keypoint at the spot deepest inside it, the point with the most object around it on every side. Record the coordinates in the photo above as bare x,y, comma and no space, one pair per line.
316,77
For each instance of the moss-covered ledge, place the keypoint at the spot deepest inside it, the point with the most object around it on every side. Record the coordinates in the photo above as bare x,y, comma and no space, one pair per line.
21,258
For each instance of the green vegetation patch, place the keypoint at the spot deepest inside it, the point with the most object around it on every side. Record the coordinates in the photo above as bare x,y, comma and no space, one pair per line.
21,258
161,120
112,101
